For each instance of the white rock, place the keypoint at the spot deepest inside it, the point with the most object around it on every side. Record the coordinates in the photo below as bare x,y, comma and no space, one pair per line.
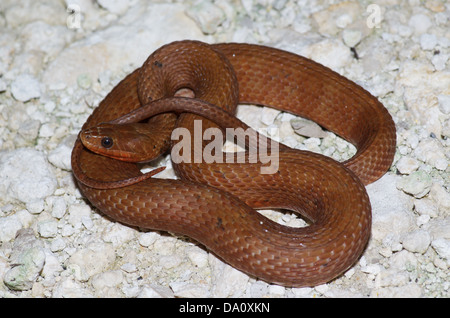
268,115
76,213
61,156
420,23
25,175
25,87
336,17
392,277
442,198
52,266
227,281
189,290
169,261
407,165
115,6
52,12
276,290
428,41
331,53
129,267
259,289
29,258
410,290
156,291
48,228
118,234
307,128
431,152
107,280
36,206
351,37
67,288
41,36
207,15
57,245
23,276
439,61
390,208
426,206
59,207
422,219
9,225
442,247
417,183
89,262
198,257
25,217
140,26
417,241
403,260
147,239
444,103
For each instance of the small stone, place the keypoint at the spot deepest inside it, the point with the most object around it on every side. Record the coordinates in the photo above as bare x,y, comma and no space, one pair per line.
68,288
420,23
428,41
431,152
227,281
351,37
29,259
422,219
156,291
390,208
198,257
417,241
189,290
118,234
207,15
25,87
442,247
107,280
147,239
48,228
407,165
307,128
61,156
59,207
26,175
36,206
442,198
444,103
76,212
57,245
268,115
9,225
84,81
88,261
115,6
426,206
417,184
129,267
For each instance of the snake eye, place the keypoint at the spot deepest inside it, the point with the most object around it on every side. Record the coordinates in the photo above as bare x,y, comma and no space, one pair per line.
107,142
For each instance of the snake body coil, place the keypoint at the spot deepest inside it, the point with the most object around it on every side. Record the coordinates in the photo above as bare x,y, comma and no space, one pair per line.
215,203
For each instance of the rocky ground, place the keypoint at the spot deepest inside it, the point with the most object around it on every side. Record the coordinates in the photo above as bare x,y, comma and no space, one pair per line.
58,59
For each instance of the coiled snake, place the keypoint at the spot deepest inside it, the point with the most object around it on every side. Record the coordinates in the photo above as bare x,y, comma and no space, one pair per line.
214,203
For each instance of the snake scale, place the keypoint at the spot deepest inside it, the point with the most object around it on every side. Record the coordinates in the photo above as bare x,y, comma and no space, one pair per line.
215,203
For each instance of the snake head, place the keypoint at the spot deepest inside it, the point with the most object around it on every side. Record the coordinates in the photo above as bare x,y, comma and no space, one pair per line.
136,142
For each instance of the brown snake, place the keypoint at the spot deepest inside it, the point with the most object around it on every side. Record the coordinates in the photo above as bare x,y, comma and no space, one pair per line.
215,203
